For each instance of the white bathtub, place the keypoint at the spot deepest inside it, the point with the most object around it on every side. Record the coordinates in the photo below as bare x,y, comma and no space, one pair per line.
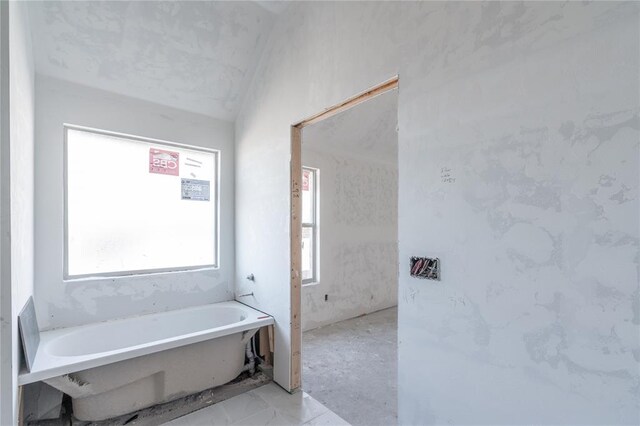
116,367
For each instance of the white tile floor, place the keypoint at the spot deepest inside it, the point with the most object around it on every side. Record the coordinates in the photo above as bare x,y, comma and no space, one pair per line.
266,405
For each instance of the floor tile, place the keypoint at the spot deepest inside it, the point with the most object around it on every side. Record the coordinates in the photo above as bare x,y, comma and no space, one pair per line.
243,406
214,415
327,419
298,406
268,405
268,417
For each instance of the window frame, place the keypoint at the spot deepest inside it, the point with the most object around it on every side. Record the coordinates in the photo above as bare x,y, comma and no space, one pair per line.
137,272
313,226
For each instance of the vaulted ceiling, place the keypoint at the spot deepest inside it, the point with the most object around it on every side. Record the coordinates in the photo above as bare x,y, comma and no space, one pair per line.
199,56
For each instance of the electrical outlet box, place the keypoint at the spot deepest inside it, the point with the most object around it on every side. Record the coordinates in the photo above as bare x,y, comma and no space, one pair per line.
425,267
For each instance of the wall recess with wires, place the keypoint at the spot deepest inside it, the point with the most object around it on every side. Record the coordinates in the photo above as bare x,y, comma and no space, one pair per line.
425,267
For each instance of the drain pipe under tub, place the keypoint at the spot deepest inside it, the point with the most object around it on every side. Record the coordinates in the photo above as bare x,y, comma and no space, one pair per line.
255,352
251,365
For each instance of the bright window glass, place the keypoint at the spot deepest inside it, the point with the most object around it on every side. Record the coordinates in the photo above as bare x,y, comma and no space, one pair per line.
309,225
307,254
308,195
134,205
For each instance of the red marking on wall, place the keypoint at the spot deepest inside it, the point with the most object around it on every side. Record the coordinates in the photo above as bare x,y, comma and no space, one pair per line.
164,162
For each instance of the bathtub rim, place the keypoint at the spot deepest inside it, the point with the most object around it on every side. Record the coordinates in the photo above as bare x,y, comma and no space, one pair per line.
47,366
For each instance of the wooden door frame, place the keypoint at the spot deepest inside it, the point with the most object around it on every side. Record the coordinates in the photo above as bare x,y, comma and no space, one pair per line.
296,216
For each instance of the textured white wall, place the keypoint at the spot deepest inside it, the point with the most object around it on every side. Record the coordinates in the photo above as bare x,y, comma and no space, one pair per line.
357,154
21,196
358,238
22,152
7,384
62,304
531,109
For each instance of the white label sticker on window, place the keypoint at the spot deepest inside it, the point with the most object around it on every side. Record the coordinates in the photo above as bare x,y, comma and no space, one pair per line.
194,189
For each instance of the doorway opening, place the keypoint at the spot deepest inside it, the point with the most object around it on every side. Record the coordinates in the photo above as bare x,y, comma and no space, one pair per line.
344,262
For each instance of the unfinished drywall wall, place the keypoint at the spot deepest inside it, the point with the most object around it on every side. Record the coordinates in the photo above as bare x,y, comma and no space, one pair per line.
356,153
20,148
518,168
6,332
65,303
358,237
22,155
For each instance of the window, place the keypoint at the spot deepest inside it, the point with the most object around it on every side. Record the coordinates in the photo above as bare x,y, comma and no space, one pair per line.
309,225
137,205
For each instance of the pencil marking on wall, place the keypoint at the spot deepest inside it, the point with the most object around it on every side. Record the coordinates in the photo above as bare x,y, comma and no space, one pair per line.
446,175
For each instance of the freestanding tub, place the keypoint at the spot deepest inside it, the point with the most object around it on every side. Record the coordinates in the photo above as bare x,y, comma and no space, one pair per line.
116,367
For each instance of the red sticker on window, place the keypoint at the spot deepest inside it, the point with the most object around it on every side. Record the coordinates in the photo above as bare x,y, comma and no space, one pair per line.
164,162
305,180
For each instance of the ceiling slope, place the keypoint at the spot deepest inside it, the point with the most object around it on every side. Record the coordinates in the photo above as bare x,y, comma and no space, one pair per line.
195,56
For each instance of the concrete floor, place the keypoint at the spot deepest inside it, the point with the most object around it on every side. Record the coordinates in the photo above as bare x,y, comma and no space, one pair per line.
351,368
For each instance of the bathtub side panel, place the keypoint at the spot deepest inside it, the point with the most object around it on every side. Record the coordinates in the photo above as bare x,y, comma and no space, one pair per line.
126,386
